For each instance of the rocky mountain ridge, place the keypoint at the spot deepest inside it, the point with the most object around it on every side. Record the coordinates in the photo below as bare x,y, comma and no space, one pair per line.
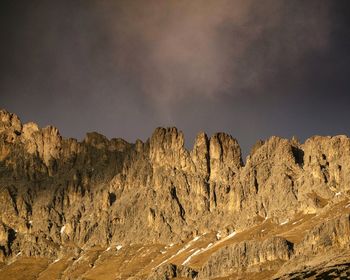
62,201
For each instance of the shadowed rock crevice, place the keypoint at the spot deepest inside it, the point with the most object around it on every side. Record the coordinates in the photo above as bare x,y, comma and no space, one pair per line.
175,197
10,239
111,198
298,155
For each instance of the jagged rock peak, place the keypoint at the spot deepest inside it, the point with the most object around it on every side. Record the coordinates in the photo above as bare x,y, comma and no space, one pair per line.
225,148
167,148
9,119
276,149
10,124
96,140
167,138
200,154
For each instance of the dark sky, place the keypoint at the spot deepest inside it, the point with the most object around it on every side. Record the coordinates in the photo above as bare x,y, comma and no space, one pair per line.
250,68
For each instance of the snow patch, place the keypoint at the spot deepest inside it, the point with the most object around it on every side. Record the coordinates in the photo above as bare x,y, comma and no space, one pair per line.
191,256
118,247
169,246
196,238
232,234
218,235
109,248
338,193
183,249
163,262
298,221
197,252
62,229
178,252
139,249
56,260
283,223
206,248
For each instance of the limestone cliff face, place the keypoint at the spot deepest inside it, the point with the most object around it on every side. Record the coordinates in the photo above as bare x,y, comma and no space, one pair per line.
60,196
326,236
244,254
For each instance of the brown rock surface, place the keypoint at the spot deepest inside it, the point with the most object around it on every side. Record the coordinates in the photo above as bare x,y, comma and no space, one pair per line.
72,204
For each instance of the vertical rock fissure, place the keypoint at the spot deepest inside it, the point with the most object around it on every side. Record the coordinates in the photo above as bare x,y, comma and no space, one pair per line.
175,197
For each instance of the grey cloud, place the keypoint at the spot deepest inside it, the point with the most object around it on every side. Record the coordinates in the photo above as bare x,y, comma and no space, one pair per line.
179,48
250,68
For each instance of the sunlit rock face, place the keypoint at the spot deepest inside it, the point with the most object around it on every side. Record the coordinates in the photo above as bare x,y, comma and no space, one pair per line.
61,199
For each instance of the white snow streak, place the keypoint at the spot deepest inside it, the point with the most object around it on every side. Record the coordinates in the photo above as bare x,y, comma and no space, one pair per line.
297,221
62,229
190,257
198,251
173,256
